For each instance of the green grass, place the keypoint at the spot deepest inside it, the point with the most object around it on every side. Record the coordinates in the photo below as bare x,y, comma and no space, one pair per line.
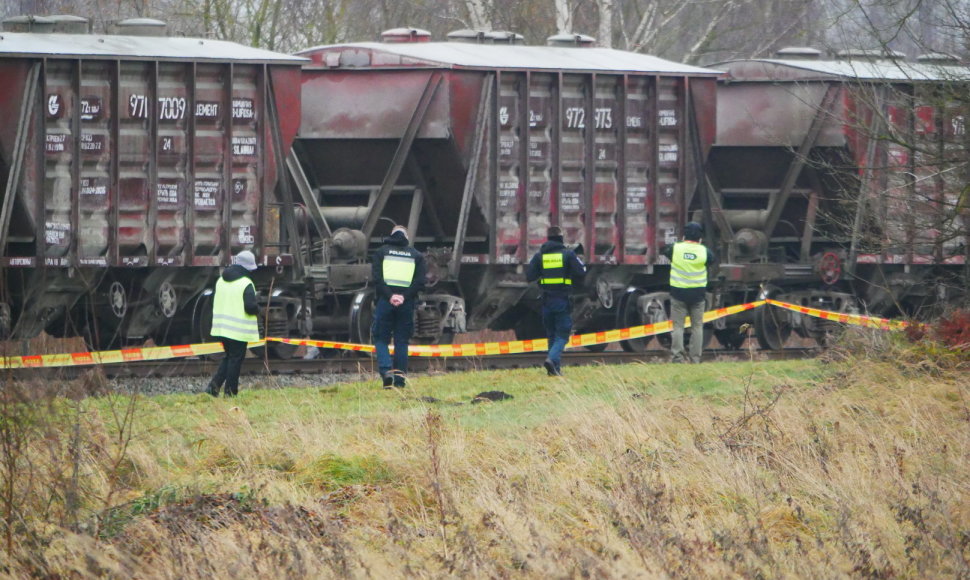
537,398
344,432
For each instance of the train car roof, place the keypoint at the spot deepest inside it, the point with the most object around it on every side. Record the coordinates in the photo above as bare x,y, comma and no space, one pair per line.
458,55
110,46
880,70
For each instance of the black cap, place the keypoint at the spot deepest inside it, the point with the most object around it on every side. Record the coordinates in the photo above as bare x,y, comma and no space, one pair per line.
693,231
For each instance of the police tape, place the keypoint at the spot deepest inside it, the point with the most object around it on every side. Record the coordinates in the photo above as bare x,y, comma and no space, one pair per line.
432,350
842,317
533,345
104,357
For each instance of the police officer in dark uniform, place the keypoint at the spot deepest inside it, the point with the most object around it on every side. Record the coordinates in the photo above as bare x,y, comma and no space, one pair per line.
398,271
557,269
689,261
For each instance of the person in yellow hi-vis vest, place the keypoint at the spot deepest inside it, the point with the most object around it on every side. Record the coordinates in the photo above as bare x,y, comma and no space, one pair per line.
398,272
234,321
689,261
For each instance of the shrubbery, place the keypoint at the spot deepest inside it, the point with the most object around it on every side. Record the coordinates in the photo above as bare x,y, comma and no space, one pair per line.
945,340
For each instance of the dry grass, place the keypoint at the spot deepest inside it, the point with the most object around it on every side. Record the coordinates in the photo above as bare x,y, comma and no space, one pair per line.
820,469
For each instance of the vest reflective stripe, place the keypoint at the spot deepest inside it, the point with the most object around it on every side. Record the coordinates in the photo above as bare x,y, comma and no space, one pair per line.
229,318
553,268
550,261
688,268
398,271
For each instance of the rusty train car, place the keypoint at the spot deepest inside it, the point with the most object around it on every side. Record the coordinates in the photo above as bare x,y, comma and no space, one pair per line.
837,184
840,184
478,145
133,165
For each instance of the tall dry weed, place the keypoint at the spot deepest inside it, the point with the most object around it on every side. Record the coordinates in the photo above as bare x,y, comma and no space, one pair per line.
859,470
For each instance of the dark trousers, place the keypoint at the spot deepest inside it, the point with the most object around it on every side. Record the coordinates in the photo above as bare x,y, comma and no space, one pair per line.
228,371
399,322
558,322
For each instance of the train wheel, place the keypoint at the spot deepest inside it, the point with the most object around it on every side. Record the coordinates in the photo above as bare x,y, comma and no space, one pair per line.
362,317
658,310
628,314
109,324
202,321
104,317
772,325
166,300
596,347
277,318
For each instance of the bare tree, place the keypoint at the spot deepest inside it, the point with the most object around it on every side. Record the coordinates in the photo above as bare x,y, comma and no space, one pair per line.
479,14
564,16
605,33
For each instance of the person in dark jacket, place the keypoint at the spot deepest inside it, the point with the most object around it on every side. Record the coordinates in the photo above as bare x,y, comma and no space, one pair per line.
689,261
398,271
234,321
557,270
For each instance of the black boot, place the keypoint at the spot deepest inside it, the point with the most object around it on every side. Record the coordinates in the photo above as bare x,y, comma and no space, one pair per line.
552,369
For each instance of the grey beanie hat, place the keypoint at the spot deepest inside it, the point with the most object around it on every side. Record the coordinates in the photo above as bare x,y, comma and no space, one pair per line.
246,259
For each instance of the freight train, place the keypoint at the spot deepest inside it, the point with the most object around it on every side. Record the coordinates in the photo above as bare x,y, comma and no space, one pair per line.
134,165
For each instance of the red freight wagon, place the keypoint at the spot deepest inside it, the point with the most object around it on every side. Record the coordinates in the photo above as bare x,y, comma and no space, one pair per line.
480,146
845,177
132,165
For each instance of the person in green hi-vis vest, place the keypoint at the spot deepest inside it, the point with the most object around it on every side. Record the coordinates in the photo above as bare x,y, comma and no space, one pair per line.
234,321
689,261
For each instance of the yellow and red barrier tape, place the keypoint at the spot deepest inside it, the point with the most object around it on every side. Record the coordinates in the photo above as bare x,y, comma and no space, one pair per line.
430,350
843,318
104,357
520,346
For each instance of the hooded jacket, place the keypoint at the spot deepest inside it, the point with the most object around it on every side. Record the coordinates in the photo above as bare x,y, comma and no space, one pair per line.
573,268
235,272
397,244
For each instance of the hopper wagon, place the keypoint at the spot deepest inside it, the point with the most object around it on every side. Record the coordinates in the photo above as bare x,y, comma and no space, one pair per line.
840,184
478,145
133,165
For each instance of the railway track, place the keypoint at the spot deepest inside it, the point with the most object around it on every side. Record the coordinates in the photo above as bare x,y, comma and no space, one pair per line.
356,364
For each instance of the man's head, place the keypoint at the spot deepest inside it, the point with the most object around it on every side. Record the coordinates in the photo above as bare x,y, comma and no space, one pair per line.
693,231
554,234
401,230
246,259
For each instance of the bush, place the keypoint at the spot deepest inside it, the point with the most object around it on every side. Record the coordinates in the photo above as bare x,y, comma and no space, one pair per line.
940,345
943,343
954,330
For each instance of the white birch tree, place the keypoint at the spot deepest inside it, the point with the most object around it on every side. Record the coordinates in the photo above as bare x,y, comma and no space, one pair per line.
564,16
479,14
605,31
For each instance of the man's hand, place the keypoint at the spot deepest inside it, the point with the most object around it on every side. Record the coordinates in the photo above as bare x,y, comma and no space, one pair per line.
397,299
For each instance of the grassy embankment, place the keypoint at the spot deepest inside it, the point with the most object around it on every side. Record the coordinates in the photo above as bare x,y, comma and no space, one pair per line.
854,467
